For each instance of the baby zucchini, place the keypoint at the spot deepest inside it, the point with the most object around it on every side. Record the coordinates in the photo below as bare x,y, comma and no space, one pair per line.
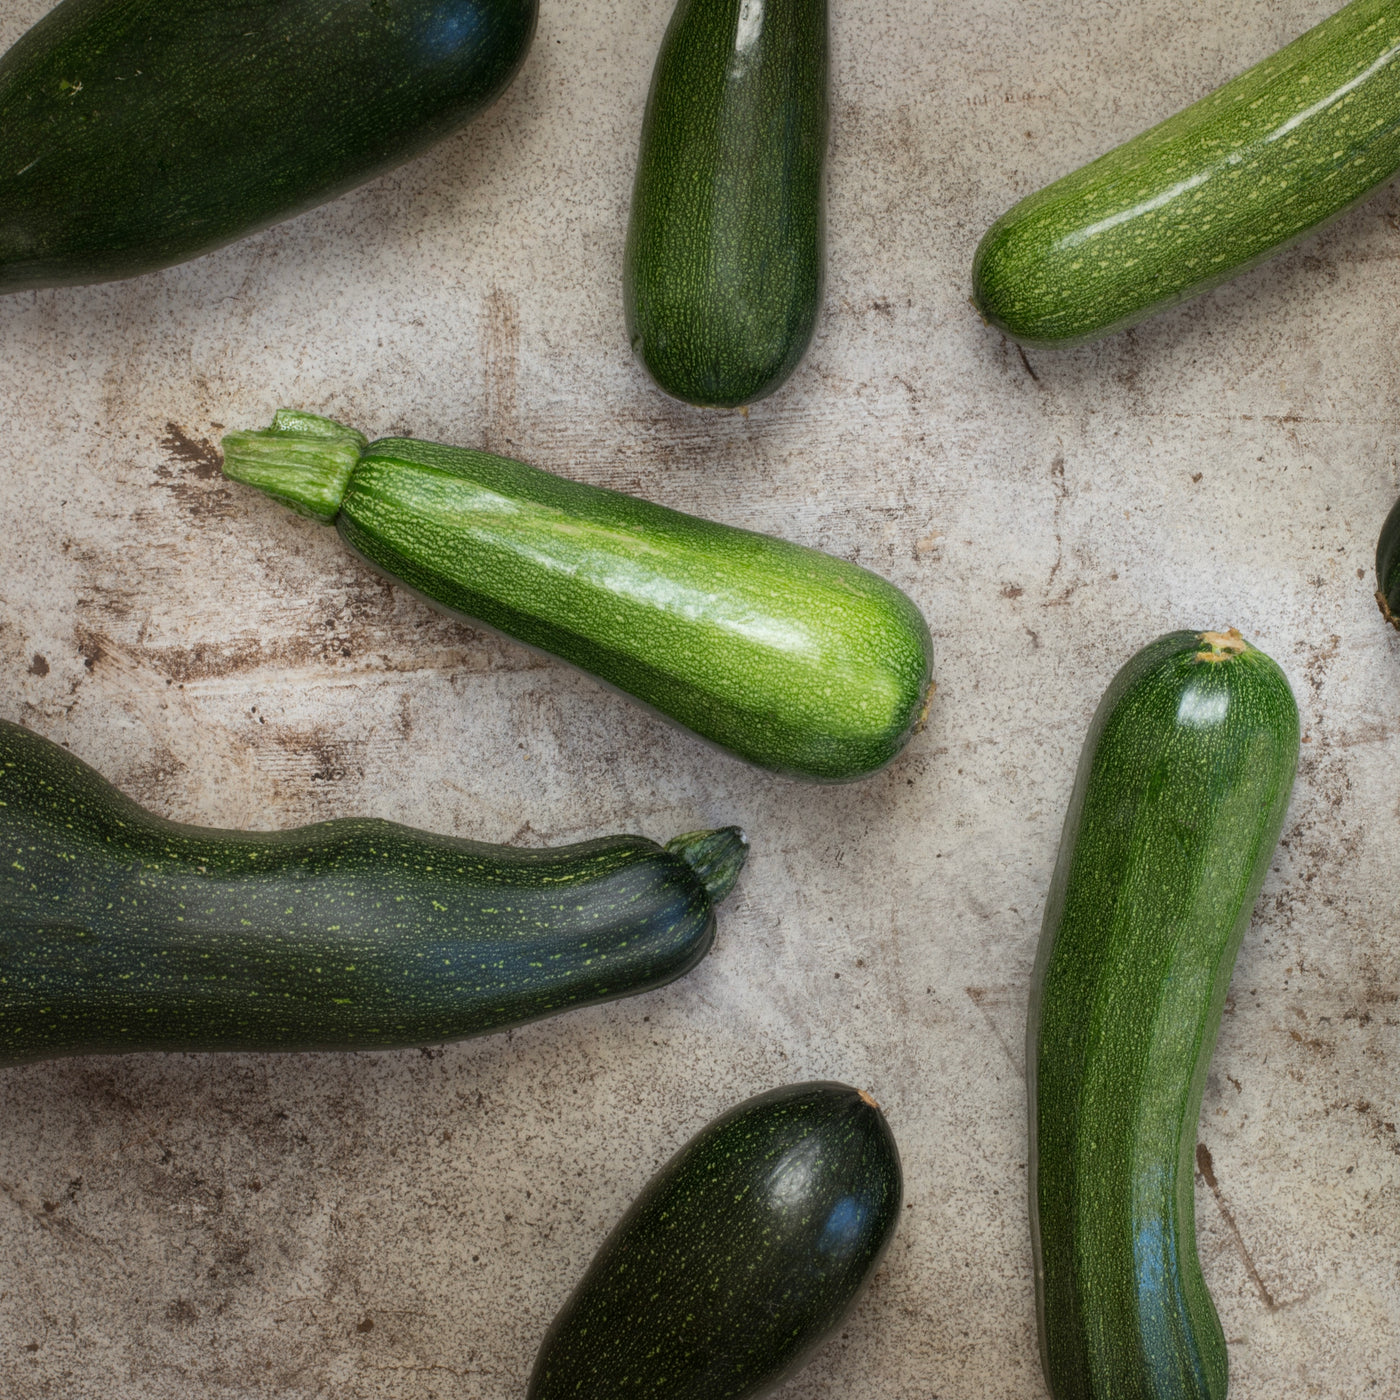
792,659
722,277
1178,804
1211,191
1388,567
138,133
745,1250
122,931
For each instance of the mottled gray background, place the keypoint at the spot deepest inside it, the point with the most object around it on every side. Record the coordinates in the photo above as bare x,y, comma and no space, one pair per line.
405,1224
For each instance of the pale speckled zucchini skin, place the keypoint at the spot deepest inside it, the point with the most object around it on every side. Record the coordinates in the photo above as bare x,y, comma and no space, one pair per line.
1215,189
121,931
1178,804
723,269
788,657
741,1254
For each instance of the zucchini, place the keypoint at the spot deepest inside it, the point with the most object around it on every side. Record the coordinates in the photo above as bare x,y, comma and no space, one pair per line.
1388,567
121,931
745,1250
1211,191
722,274
794,660
1178,804
135,134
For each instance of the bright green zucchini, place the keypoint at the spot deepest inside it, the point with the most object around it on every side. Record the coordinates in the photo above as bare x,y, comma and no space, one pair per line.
792,659
722,278
1388,567
137,133
745,1250
122,931
1177,807
1211,191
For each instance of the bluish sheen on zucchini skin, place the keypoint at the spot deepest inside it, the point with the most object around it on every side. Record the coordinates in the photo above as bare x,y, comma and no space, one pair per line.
1388,567
1179,801
723,269
135,134
1217,188
741,1254
788,657
121,931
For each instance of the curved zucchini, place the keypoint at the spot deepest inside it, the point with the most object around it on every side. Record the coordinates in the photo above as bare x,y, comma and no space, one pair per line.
135,134
121,931
1388,567
722,278
1178,804
1208,193
785,656
741,1254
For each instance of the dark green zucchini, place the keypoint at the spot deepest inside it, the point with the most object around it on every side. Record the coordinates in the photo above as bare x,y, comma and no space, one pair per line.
722,277
745,1250
792,659
138,133
1211,191
121,931
1178,804
1388,567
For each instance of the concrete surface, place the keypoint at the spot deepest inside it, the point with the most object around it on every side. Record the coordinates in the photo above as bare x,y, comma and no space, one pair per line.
405,1224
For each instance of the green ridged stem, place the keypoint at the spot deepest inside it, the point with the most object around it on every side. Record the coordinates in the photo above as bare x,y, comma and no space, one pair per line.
794,660
122,931
1180,797
1388,567
723,267
1212,191
740,1255
135,134
303,460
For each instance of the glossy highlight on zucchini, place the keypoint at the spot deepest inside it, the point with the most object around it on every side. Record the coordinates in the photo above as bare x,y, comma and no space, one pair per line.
722,280
135,134
1388,567
1177,807
1214,190
122,931
741,1254
792,659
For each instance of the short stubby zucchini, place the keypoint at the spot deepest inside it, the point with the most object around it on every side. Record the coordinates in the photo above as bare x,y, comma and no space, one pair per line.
135,134
1388,567
122,931
722,274
745,1250
792,659
1215,189
1178,804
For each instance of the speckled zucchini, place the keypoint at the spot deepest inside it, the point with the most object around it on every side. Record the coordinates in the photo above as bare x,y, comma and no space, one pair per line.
121,931
1388,567
137,133
722,278
1209,192
792,659
1178,804
745,1250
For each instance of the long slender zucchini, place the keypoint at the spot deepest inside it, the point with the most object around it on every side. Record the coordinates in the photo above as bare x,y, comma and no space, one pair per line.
137,133
1178,804
1215,189
121,931
722,276
740,1255
792,659
1388,567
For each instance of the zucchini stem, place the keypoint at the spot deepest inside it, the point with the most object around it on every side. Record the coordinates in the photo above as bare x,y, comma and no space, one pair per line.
716,857
302,460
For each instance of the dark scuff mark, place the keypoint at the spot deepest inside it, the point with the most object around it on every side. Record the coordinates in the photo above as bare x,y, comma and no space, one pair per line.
39,666
1021,351
195,474
201,458
1206,1167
